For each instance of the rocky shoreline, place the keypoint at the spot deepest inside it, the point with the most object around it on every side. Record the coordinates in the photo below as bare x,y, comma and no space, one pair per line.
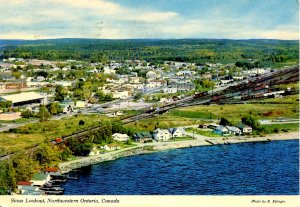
158,146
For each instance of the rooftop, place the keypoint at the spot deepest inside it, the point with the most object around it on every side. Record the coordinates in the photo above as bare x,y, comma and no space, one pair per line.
20,97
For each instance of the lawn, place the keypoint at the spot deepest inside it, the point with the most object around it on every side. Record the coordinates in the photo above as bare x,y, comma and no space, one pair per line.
203,132
179,139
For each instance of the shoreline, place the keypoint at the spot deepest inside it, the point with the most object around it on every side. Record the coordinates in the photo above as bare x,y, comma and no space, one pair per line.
153,147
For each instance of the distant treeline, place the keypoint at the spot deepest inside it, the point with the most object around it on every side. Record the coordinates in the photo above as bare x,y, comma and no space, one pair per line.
200,51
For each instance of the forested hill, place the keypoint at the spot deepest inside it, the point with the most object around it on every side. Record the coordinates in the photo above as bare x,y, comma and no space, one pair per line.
264,52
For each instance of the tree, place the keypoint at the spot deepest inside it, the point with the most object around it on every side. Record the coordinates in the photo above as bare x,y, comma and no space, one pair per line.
45,155
7,176
55,108
5,104
23,165
225,122
81,122
17,74
138,95
251,121
59,93
43,114
27,114
79,149
65,154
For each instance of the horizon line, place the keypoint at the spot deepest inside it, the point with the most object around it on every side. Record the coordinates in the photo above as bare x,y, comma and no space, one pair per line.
187,38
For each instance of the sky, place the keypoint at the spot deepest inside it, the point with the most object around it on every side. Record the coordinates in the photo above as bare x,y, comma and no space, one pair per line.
140,19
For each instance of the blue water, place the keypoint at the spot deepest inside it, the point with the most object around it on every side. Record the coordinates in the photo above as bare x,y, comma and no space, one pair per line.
242,169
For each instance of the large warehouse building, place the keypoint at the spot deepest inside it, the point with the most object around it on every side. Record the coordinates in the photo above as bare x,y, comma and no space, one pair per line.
25,98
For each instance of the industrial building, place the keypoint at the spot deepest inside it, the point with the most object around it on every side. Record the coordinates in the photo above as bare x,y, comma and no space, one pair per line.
25,98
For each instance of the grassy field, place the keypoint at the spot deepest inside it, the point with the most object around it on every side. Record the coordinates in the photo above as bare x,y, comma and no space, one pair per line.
236,112
196,114
36,133
163,121
17,121
282,127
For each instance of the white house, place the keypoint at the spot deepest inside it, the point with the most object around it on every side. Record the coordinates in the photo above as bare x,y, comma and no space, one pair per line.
234,130
161,134
120,94
177,132
151,74
110,147
40,179
80,104
109,71
170,90
156,83
120,137
94,152
135,80
244,128
63,83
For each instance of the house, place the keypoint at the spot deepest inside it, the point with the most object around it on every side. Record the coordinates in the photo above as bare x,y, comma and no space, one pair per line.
30,190
109,71
120,94
63,83
136,80
177,132
80,104
110,147
23,183
120,137
234,130
186,73
40,179
52,171
221,130
156,83
170,90
151,74
161,134
203,126
244,128
166,100
94,152
206,76
40,78
213,126
142,137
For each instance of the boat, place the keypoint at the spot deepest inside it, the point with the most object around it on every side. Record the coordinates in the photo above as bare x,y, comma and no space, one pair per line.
54,192
50,185
58,176
73,177
58,181
52,189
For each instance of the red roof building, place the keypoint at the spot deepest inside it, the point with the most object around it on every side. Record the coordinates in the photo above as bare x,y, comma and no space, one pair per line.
52,169
27,183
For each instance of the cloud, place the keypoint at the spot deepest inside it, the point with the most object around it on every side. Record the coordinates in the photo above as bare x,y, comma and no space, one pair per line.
32,19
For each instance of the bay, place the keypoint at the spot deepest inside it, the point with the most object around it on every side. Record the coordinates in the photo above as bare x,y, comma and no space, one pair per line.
270,168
